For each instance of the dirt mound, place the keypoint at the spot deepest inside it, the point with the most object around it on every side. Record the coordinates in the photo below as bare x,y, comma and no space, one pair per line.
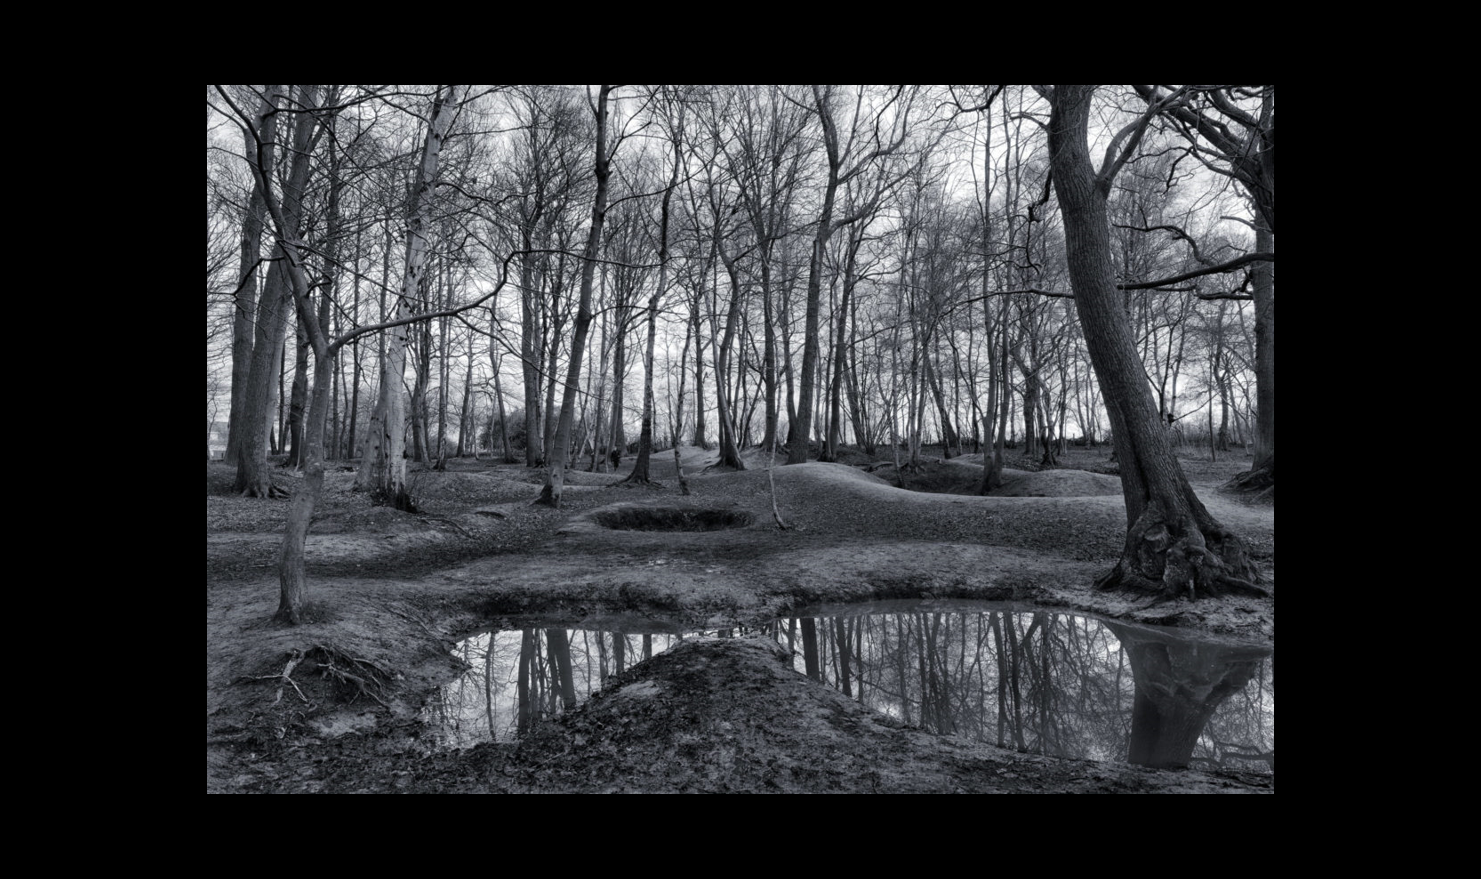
1057,483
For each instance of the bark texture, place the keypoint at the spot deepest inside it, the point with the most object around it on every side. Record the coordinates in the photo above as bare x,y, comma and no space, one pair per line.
384,471
1174,546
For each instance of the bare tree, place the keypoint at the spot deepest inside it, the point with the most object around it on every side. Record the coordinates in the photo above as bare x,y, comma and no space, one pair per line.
1174,546
384,471
555,478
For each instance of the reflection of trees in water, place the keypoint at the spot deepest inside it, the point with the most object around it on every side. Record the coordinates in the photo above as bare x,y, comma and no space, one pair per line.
1040,682
1055,684
517,678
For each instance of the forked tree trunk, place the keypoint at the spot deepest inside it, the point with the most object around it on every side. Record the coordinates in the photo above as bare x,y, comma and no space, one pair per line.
1174,546
254,478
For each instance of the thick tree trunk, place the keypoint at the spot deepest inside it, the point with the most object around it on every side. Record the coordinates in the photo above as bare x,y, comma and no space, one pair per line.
254,478
1262,474
291,574
1174,546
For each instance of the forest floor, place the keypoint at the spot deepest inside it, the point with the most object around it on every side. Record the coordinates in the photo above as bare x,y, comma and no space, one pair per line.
333,705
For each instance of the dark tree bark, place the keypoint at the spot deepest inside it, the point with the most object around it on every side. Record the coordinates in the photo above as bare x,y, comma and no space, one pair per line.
1242,144
800,433
641,468
254,479
1174,546
555,479
245,300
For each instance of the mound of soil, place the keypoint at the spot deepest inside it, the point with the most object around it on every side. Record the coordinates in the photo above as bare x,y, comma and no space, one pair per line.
1057,483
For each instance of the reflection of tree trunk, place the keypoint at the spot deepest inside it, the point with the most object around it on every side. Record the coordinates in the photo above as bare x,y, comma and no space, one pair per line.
522,686
844,672
995,621
1179,683
810,648
488,688
560,659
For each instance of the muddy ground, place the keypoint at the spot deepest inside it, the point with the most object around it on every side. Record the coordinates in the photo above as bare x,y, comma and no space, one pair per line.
390,593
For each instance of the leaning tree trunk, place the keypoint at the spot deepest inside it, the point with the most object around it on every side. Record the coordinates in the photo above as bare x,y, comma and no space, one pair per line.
1174,546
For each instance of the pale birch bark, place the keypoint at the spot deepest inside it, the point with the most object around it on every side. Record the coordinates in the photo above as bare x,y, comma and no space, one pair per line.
384,470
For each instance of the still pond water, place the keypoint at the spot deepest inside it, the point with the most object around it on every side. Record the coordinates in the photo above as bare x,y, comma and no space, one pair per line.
1050,683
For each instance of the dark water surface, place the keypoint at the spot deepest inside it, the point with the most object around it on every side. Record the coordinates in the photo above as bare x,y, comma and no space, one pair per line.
1042,682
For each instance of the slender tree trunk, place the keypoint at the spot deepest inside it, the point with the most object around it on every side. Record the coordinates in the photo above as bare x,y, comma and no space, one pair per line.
800,438
245,301
385,467
729,451
298,398
550,495
699,372
640,472
1263,273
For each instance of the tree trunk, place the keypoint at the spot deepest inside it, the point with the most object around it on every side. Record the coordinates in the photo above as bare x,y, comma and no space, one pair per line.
555,479
245,300
699,373
254,479
640,472
1262,474
298,398
1174,546
800,437
384,471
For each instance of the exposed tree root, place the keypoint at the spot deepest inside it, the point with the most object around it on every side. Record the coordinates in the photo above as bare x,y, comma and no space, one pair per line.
1178,560
272,491
362,676
1258,483
400,500
428,517
285,676
365,676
